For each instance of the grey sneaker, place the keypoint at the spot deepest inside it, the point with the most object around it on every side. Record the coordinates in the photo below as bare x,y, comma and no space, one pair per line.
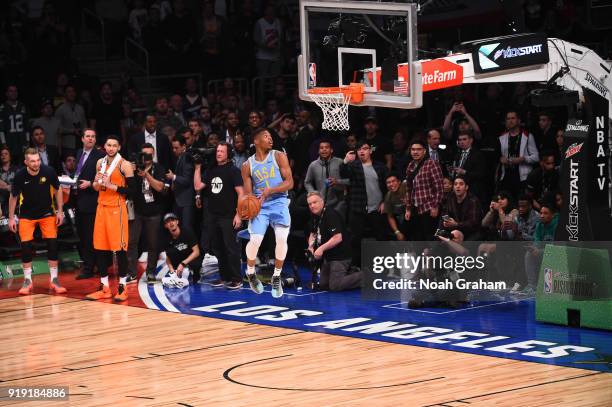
277,287
255,284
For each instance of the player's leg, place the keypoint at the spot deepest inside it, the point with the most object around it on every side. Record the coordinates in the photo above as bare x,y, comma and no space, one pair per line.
48,228
26,235
280,252
257,230
122,266
119,236
104,256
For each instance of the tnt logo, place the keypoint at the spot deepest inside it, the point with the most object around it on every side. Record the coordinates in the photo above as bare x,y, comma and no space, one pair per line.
312,75
548,281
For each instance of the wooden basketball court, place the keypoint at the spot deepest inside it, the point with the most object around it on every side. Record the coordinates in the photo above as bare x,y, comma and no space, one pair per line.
128,356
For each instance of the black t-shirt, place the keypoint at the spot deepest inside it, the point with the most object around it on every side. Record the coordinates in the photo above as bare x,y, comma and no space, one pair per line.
380,148
221,182
327,225
147,201
179,249
34,192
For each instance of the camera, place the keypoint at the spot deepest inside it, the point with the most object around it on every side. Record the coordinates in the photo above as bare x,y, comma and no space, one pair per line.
201,155
141,159
315,265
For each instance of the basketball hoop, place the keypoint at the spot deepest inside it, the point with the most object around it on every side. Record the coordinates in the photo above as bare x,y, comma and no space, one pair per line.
334,103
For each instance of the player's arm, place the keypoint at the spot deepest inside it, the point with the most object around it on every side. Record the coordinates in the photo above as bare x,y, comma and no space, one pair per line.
96,182
130,180
246,177
285,170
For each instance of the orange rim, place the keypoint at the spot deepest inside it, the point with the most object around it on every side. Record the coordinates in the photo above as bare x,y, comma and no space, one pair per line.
354,90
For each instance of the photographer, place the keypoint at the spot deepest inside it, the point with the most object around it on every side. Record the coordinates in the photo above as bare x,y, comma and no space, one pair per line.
328,241
148,208
182,182
222,187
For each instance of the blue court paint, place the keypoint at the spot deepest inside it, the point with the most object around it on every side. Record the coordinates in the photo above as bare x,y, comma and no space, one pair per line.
505,329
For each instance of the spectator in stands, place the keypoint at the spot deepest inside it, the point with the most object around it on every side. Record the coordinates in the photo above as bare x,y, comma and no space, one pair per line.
212,40
164,116
500,221
182,183
232,126
470,164
328,240
323,175
148,210
137,19
464,123
7,174
351,142
517,154
268,37
545,230
69,164
49,155
240,150
526,221
395,208
423,192
107,113
255,121
72,119
192,100
543,179
443,156
179,34
14,119
272,112
545,133
400,157
462,211
176,105
381,148
368,188
213,140
49,123
152,135
283,138
559,151
205,119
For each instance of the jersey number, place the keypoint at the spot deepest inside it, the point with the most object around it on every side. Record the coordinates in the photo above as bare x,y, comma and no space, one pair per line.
16,123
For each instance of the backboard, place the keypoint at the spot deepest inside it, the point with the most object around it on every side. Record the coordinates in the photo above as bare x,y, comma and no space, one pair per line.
373,43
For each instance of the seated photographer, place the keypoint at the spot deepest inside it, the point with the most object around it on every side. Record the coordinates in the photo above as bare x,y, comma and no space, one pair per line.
462,211
148,209
182,251
328,242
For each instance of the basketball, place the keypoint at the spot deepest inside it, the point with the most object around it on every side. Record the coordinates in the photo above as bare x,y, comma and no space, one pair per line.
248,207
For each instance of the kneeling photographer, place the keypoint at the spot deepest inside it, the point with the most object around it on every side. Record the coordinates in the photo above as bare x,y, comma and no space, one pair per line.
328,241
148,209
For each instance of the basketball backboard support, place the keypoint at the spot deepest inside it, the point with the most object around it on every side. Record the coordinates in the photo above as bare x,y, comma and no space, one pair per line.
345,42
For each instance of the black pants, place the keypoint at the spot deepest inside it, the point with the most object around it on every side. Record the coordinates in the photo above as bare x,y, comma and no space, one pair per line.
422,226
222,238
148,227
205,227
85,227
104,259
335,277
357,225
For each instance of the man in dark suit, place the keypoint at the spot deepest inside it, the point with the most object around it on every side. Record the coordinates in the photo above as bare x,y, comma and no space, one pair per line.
49,155
86,200
469,163
182,182
156,138
443,156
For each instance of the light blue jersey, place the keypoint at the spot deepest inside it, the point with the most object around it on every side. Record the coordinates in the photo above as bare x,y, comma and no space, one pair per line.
274,210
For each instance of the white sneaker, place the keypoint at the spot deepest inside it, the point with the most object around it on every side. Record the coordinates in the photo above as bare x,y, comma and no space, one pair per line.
162,256
143,257
209,260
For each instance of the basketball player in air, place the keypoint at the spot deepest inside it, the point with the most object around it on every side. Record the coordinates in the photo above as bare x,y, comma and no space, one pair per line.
32,191
114,180
267,175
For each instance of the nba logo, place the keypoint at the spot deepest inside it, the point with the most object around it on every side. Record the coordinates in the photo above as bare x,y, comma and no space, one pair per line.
312,75
548,281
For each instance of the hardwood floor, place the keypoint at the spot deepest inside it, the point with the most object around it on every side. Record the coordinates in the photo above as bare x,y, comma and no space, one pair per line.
128,356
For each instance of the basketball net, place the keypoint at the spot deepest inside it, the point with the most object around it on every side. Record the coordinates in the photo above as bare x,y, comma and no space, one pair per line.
335,109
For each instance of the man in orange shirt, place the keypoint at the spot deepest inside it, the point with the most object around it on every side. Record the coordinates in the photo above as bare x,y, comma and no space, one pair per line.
114,181
34,187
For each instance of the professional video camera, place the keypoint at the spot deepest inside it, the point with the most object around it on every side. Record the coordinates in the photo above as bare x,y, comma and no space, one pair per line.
140,160
201,155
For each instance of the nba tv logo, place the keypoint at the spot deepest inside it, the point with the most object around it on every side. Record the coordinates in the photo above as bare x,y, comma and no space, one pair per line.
548,281
312,75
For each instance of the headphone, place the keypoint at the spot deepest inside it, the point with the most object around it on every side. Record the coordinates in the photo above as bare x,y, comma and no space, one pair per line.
230,149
